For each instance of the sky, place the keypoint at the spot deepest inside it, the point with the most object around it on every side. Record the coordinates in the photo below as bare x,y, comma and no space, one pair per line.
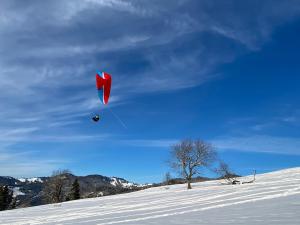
226,72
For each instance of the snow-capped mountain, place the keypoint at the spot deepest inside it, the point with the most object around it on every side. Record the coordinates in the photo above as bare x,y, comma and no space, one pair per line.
29,191
115,181
31,180
120,182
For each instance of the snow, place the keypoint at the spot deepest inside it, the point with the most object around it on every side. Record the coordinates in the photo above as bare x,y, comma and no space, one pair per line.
145,185
16,192
120,182
31,180
273,199
114,181
22,179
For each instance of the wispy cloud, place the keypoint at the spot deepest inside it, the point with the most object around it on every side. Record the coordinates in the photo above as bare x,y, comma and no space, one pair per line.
49,57
25,163
151,143
36,61
68,138
16,134
26,167
259,143
282,117
25,135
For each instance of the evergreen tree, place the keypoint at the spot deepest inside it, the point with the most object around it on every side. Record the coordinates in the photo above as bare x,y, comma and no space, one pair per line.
13,204
5,197
75,191
1,199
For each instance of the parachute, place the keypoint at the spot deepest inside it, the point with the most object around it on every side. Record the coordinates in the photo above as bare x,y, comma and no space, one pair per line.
103,85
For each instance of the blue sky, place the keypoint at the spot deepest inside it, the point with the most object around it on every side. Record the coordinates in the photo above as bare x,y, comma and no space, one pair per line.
224,71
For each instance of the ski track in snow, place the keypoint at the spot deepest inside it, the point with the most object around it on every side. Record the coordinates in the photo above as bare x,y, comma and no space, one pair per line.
177,205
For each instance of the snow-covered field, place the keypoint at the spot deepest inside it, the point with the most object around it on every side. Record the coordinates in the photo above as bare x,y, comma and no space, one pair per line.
273,199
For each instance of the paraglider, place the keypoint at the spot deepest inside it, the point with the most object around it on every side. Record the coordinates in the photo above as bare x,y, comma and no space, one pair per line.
96,118
103,85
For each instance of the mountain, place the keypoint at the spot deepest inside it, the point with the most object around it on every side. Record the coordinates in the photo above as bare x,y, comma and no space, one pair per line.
274,198
29,191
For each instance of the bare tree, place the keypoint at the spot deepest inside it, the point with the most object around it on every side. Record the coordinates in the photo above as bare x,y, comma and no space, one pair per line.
167,178
54,190
225,173
229,176
189,156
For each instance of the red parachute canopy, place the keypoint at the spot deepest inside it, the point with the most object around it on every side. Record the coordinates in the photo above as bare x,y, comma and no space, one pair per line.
103,84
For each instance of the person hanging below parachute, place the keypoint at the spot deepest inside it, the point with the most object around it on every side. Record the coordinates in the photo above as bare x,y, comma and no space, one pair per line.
103,85
96,118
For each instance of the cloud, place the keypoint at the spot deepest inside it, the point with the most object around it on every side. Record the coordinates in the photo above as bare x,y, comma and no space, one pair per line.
149,143
16,134
259,143
26,135
68,138
290,119
49,57
26,167
23,163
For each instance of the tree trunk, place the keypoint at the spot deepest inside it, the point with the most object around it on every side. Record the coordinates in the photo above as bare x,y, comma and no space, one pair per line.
189,186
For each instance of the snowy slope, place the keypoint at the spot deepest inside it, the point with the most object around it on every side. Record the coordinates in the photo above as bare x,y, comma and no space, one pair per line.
273,199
